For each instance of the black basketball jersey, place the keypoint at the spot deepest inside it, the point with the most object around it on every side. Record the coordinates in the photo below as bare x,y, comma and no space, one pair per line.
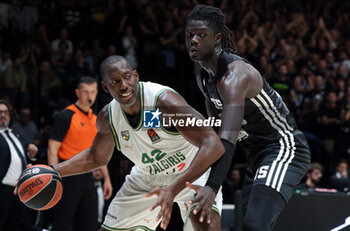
266,117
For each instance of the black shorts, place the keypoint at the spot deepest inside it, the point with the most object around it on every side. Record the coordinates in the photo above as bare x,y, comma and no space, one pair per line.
280,166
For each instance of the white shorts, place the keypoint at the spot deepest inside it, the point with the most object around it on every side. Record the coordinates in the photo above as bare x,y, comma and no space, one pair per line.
129,210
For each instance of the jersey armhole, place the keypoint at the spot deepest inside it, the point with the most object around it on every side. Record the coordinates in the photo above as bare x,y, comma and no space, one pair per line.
111,126
168,131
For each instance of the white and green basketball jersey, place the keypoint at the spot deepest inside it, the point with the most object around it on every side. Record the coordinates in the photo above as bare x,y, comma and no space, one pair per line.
153,150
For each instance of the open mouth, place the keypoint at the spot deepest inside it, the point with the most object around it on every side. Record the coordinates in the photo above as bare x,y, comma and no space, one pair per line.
126,95
193,51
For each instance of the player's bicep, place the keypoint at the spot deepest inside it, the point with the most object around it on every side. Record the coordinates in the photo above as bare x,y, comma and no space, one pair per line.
233,90
103,145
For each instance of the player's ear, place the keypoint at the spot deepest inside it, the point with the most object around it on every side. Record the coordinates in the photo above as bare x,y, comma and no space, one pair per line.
104,86
77,93
136,74
218,38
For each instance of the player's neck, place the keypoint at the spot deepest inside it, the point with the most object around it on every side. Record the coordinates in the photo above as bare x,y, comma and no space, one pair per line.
133,109
211,64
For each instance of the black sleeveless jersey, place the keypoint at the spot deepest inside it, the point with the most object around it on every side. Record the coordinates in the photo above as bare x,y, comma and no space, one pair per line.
266,117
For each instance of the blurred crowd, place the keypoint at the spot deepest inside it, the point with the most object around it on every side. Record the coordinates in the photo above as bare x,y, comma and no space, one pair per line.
302,48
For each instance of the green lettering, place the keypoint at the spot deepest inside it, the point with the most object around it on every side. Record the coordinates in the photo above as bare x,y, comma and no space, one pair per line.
169,162
165,165
156,169
172,160
161,169
146,159
178,161
180,155
150,170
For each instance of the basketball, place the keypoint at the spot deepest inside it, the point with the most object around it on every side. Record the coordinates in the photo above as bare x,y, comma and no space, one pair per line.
39,187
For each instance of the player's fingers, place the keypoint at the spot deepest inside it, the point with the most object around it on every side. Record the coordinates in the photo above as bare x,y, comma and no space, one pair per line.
197,199
155,191
15,191
166,219
29,165
209,211
192,186
155,206
197,209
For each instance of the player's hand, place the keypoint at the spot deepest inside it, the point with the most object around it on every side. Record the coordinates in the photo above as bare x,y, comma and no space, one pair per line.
205,198
107,189
165,201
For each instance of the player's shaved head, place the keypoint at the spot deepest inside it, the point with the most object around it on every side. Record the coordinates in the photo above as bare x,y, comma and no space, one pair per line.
111,60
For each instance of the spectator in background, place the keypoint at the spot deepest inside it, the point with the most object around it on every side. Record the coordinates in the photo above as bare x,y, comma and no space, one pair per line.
149,31
26,128
232,183
63,37
5,61
313,177
15,83
62,57
328,120
13,160
342,145
74,130
40,39
129,45
340,179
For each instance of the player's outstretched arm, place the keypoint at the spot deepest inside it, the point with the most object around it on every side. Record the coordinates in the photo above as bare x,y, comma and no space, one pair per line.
205,138
93,157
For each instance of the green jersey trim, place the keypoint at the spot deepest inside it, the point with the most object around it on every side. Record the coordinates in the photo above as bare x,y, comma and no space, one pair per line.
111,126
155,105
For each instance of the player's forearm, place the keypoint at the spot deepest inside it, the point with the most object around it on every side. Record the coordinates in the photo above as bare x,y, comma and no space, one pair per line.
221,167
207,155
52,157
81,163
105,173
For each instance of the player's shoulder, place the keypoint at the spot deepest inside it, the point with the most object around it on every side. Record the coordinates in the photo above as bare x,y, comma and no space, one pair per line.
103,118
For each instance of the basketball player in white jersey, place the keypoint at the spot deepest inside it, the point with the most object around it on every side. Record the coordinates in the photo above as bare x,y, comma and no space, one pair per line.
165,158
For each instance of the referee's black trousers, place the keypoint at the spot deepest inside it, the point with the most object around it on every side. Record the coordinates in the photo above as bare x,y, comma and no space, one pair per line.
78,206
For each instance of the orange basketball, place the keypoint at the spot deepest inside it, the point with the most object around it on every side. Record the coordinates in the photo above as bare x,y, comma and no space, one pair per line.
39,187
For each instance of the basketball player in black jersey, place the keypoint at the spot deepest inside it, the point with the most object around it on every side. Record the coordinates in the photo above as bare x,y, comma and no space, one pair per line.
253,116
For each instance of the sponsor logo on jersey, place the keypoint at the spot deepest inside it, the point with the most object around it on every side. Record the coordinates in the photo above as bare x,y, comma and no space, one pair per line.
151,118
160,162
125,135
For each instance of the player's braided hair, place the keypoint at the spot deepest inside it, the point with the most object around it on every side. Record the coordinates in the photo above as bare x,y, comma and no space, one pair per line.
216,21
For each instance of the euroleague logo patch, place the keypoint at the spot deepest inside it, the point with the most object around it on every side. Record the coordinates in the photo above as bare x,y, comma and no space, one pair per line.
30,171
153,135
